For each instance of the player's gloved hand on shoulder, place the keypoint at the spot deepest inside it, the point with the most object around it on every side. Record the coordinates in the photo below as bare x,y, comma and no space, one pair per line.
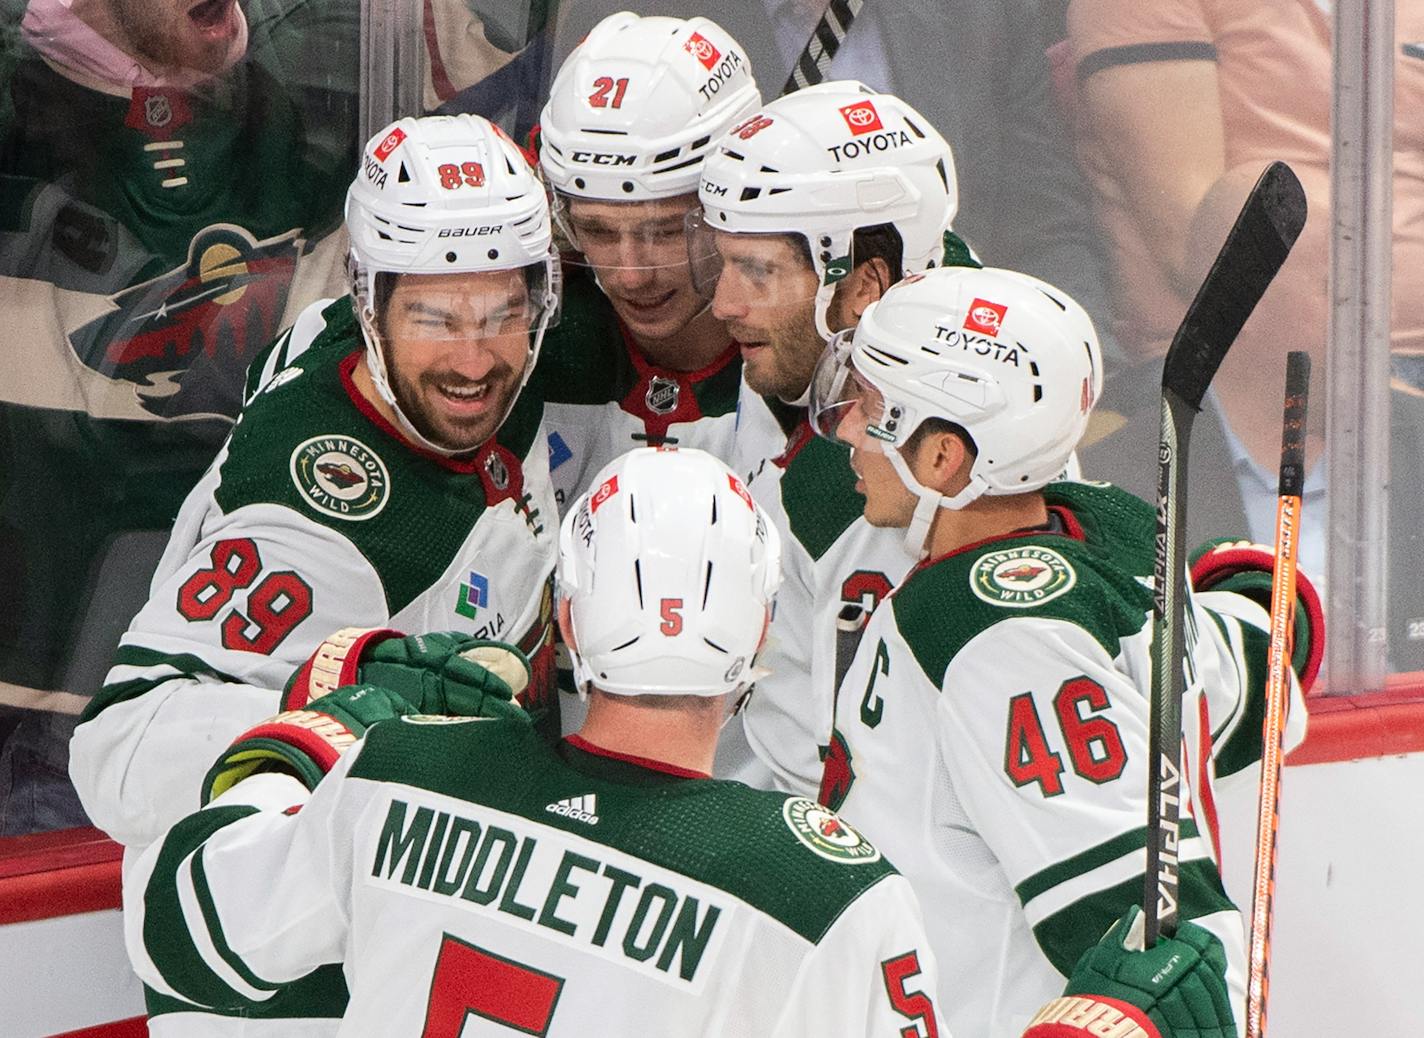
1245,568
1176,989
305,742
439,673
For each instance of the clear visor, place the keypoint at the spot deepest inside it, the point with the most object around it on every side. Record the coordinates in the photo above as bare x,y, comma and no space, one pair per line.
757,270
470,306
844,400
612,238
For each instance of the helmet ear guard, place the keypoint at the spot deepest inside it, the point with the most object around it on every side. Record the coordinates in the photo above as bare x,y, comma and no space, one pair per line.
669,570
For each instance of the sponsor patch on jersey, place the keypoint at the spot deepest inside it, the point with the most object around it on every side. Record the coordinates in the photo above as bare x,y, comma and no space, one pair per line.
827,835
985,317
580,809
559,451
861,117
1020,578
474,595
340,476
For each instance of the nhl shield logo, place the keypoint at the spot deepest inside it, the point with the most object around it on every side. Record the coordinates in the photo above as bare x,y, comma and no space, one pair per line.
340,476
662,395
819,828
1021,578
497,470
157,110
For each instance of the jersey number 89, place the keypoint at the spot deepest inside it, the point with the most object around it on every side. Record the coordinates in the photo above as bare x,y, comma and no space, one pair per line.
279,602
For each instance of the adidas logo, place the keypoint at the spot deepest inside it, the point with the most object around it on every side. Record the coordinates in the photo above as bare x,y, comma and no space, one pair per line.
580,809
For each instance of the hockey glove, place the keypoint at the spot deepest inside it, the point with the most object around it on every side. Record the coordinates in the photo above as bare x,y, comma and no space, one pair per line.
439,673
305,742
1176,989
1245,568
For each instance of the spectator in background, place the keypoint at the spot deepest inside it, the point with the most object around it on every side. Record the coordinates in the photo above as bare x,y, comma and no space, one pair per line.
977,70
161,216
1181,104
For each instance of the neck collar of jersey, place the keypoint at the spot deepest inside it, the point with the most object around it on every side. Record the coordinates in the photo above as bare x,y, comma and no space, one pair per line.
621,767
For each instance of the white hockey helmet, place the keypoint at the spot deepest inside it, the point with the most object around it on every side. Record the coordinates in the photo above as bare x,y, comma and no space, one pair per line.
828,160
638,105
446,195
1010,359
669,568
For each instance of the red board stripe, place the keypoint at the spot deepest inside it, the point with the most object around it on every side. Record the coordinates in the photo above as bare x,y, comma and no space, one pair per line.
134,1027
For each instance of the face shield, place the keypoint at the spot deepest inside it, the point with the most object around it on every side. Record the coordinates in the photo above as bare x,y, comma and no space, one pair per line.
446,326
841,394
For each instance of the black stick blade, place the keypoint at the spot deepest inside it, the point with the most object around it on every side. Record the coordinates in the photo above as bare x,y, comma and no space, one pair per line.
1258,244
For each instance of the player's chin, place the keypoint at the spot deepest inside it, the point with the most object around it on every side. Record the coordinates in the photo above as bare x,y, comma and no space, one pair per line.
465,428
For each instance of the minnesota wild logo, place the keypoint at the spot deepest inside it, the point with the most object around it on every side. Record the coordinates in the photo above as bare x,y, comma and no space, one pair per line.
820,829
1020,578
340,476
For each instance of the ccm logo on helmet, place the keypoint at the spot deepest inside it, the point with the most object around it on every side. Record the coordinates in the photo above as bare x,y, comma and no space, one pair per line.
602,158
720,74
714,190
469,232
701,48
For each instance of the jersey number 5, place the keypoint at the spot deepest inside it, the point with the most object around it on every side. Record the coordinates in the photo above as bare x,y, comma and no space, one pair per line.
1094,743
469,980
911,1005
279,602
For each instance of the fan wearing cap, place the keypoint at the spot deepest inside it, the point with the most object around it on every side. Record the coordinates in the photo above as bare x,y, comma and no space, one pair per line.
991,730
386,475
476,880
639,359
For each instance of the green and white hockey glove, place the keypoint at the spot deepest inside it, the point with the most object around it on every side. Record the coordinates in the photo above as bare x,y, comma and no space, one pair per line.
305,742
439,673
1245,568
1176,989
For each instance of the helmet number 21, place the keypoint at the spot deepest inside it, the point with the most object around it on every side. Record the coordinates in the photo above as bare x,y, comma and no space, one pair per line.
605,85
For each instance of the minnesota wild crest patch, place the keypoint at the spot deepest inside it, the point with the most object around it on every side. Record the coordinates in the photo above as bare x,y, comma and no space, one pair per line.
1021,578
820,829
340,476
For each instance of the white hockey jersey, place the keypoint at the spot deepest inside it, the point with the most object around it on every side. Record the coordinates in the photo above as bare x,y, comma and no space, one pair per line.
991,737
602,397
544,890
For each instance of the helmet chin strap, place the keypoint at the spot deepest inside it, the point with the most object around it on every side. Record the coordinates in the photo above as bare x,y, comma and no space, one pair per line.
928,502
824,295
376,361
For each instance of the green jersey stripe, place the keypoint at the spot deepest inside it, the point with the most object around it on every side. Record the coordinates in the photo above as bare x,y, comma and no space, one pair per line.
214,927
165,931
1092,858
1066,934
182,665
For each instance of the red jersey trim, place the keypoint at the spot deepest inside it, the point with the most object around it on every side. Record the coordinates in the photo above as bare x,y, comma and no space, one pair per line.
579,742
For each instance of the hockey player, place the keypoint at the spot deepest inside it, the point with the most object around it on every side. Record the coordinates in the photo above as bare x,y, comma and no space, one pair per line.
475,881
386,473
816,204
991,731
633,111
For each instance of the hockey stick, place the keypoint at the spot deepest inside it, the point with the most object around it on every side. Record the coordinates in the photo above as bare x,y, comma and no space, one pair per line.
820,50
1258,244
1277,687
